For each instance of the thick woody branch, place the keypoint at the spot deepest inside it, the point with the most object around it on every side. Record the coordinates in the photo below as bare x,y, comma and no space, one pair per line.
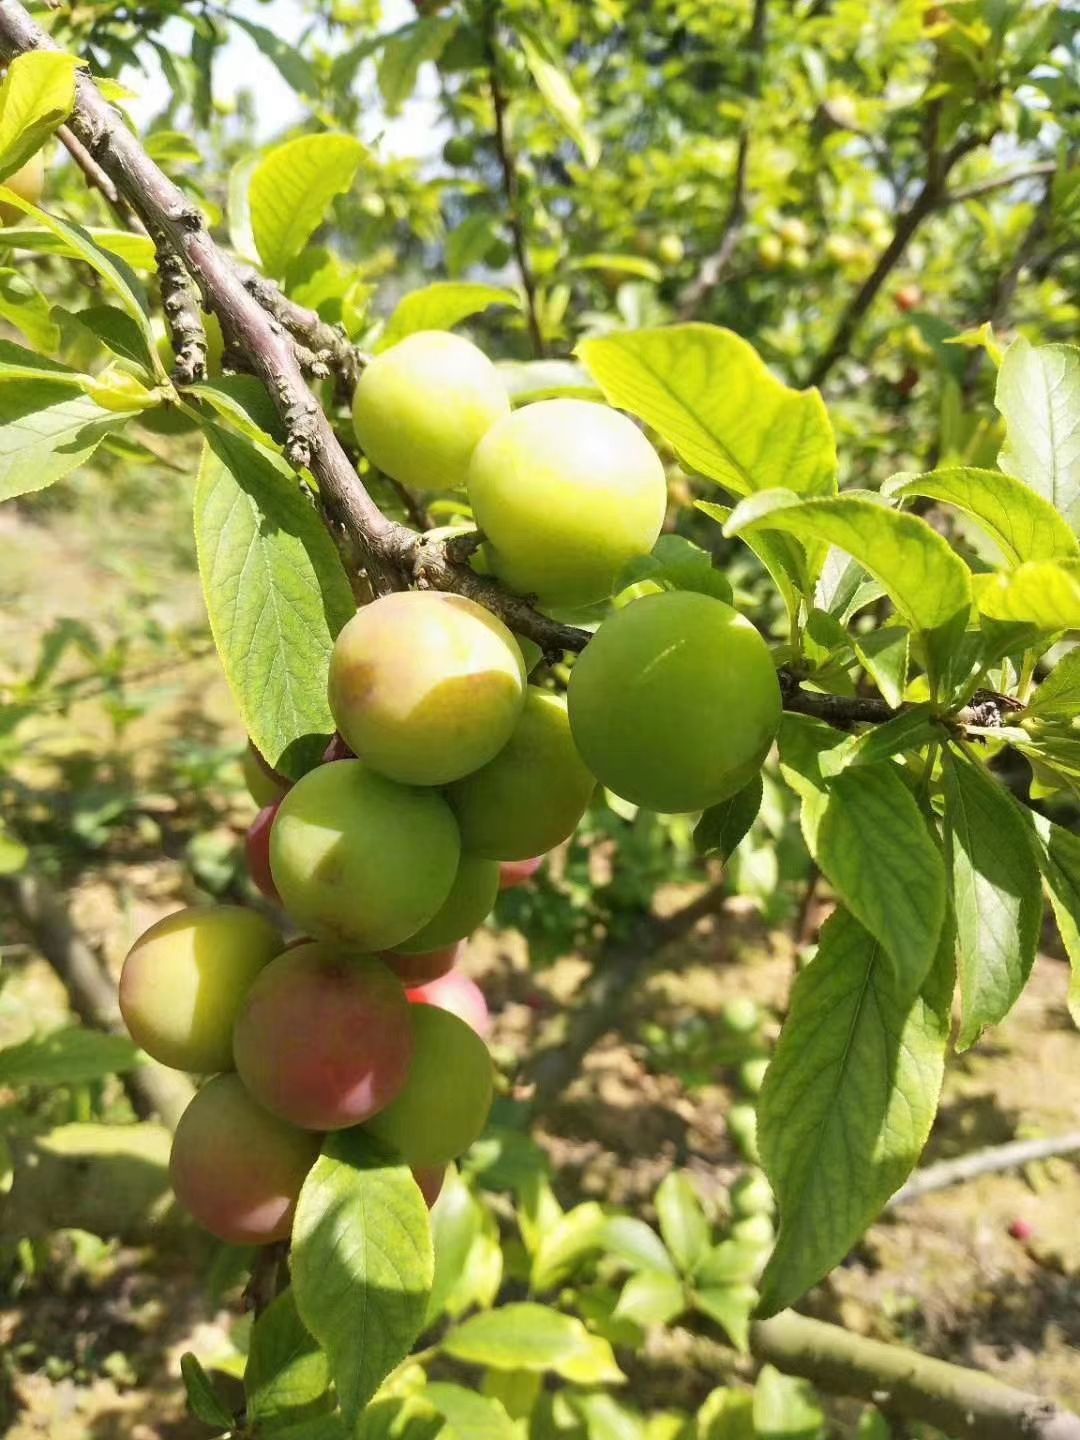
329,349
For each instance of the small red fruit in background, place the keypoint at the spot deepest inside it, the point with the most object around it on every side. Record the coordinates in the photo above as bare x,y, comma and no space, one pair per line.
908,298
518,872
1021,1230
458,994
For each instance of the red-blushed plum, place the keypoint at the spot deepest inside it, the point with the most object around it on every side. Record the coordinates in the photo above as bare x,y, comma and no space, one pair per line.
419,969
532,795
430,1179
264,784
28,182
444,1104
184,979
362,859
425,687
237,1169
257,850
421,406
513,873
675,701
459,994
323,1038
468,905
566,492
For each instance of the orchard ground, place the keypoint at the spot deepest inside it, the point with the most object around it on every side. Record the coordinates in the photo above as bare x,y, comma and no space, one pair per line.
92,1338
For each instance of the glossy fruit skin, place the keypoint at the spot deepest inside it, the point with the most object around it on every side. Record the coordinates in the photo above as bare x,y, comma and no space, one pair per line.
675,701
360,858
323,1038
566,492
28,182
422,406
237,1169
265,785
257,851
513,873
425,687
444,1104
532,795
460,995
185,978
423,968
468,905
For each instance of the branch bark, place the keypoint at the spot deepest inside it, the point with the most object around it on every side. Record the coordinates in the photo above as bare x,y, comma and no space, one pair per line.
965,1404
990,1161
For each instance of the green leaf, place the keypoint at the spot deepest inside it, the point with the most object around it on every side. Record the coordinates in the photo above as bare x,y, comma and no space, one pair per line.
651,1297
676,563
293,68
557,89
287,1378
562,1248
405,51
13,855
135,251
732,1262
885,655
1058,854
723,827
1058,697
362,1263
203,1399
925,579
1020,522
24,306
37,95
726,1415
292,189
276,595
1038,393
525,1336
455,1224
529,380
440,307
119,333
46,432
397,1417
731,1307
72,1056
630,1239
1043,593
786,1408
682,1222
848,1100
711,397
997,898
910,729
783,557
470,1416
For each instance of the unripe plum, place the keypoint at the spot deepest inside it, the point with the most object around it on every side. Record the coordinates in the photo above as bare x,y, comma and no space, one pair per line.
28,182
264,784
425,687
360,858
445,1101
513,873
420,969
183,982
566,493
323,1038
421,407
670,248
752,1195
531,796
237,1169
257,850
460,995
468,905
675,701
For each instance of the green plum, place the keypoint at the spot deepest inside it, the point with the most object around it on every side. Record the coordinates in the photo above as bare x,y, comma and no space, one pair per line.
532,795
323,1038
360,858
421,407
425,687
566,493
468,905
184,980
675,701
237,1169
445,1102
264,784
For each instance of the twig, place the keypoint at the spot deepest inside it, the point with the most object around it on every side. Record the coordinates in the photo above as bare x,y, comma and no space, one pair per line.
327,345
990,1161
182,316
998,182
95,175
965,1404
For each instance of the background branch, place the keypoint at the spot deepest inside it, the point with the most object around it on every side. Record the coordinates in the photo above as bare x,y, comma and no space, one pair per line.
991,1161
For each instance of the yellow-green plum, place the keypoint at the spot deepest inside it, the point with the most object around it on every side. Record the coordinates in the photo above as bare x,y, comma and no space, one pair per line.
183,982
264,784
468,905
323,1038
359,858
675,701
28,182
237,1169
444,1104
566,493
421,407
425,687
532,795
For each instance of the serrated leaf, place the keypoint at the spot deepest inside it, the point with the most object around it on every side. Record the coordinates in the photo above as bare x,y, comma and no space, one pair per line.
650,1297
926,580
441,306
1043,593
292,189
1058,854
1021,523
405,51
72,1056
711,396
203,1399
362,1263
731,1307
469,1416
37,95
276,594
118,332
848,1100
1038,393
557,89
682,1222
525,1336
782,556
997,898
884,654
287,1379
1058,697
911,729
723,827
46,432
